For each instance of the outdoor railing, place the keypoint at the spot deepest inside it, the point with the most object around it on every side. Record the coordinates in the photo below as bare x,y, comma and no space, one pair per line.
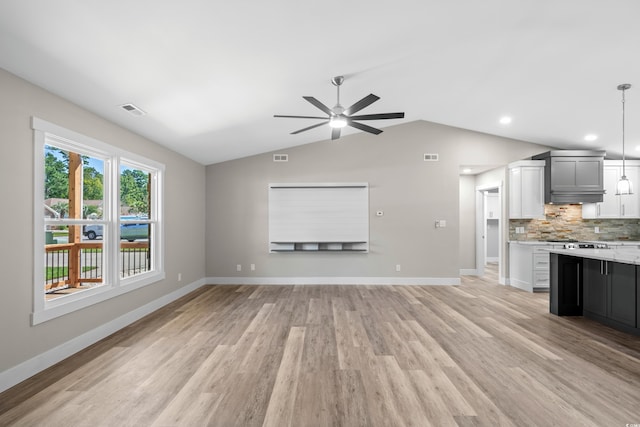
60,274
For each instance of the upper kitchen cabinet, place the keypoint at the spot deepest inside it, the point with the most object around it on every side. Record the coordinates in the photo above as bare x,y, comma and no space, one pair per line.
492,206
573,176
612,206
526,189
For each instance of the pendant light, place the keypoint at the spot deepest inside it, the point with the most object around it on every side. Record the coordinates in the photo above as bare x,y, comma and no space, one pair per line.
624,185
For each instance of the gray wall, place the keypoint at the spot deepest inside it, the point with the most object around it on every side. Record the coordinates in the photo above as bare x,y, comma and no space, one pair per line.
467,256
412,193
184,215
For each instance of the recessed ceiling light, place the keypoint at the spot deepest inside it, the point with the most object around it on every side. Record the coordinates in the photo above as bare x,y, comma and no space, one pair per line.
637,147
505,120
590,137
466,170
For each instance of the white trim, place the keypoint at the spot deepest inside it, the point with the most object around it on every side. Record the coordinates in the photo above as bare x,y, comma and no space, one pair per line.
468,272
24,370
114,158
492,259
521,284
333,280
65,305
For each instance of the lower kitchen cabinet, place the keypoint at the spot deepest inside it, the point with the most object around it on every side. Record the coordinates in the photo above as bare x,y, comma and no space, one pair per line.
606,291
594,286
529,266
622,293
565,293
609,290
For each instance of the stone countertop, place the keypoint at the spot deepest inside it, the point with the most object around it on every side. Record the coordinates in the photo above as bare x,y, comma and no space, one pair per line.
608,242
533,242
627,256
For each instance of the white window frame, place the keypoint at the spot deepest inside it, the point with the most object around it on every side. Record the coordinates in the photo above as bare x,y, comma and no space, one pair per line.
46,133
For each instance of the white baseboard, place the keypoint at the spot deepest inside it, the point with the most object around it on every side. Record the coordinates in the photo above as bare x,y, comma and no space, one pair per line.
24,370
468,272
521,284
333,280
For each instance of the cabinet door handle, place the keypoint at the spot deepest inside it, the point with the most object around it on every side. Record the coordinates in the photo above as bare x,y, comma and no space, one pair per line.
578,285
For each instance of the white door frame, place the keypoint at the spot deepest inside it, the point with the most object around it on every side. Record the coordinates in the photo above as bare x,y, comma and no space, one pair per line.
480,227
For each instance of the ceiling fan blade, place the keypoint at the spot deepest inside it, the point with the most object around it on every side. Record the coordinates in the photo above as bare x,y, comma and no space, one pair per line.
365,128
319,104
310,127
378,116
364,102
300,117
335,133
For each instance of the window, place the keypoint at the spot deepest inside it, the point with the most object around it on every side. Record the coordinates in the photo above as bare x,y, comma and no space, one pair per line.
98,221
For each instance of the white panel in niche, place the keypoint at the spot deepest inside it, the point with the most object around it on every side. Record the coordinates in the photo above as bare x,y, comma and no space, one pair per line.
336,213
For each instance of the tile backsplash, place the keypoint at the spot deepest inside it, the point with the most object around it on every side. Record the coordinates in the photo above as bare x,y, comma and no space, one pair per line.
565,222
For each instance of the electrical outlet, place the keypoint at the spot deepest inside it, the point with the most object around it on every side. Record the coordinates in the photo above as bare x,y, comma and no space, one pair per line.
253,267
596,229
179,277
397,267
239,267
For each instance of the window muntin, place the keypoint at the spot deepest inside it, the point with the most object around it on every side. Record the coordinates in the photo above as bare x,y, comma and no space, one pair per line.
85,244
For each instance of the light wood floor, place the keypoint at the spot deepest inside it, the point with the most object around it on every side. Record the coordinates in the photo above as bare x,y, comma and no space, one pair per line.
479,354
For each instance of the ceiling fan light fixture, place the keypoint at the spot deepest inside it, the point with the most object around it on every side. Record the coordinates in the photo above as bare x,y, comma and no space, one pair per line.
339,117
338,121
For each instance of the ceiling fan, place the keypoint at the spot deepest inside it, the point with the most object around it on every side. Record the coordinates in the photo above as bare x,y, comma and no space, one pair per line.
339,117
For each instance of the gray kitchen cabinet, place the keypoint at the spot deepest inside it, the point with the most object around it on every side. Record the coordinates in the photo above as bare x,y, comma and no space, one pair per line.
573,176
594,286
622,293
565,293
604,291
609,290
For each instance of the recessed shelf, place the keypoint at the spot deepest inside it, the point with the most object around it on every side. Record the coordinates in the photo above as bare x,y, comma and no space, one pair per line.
359,246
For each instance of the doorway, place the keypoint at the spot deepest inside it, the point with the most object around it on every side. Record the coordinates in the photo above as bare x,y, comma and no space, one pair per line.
489,224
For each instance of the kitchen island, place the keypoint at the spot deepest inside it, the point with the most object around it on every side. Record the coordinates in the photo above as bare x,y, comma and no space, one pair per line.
601,284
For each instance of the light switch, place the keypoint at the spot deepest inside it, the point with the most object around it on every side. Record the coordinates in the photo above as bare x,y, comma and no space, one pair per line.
441,223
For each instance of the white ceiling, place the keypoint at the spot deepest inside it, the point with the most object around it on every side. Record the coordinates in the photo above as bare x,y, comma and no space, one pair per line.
211,74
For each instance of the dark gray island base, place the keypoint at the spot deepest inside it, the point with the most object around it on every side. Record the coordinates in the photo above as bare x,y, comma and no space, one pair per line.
592,285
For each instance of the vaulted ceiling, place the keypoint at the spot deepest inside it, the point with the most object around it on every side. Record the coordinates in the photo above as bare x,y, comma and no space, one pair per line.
211,74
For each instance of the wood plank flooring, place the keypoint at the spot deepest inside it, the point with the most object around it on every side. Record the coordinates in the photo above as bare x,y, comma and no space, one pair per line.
478,354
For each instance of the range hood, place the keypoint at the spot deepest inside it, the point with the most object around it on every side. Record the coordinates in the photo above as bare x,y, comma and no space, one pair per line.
573,176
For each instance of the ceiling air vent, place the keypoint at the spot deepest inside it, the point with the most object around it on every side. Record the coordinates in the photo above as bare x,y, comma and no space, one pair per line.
280,157
133,109
430,157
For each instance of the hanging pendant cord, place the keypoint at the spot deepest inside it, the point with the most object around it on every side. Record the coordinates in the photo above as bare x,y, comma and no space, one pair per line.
623,170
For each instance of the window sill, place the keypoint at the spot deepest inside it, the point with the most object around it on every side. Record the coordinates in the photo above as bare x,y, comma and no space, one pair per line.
63,305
